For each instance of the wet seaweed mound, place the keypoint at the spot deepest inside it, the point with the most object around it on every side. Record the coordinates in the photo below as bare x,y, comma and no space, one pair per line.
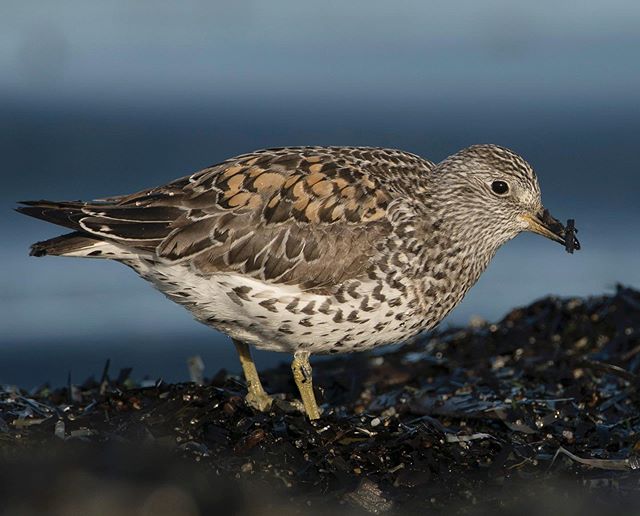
539,409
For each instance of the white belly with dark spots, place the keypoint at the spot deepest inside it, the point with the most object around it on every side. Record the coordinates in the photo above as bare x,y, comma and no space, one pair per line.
283,317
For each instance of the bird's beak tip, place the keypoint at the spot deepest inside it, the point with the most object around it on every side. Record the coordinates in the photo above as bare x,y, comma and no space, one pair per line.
543,223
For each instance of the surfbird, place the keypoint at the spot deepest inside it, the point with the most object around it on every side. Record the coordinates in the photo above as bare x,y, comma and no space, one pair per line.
312,250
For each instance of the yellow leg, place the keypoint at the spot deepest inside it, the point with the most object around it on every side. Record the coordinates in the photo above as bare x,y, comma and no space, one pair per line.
302,375
256,397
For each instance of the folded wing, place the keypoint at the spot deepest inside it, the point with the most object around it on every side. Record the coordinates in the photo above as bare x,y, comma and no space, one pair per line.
275,215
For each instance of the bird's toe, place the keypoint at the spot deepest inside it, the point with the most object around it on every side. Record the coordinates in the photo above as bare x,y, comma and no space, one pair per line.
261,402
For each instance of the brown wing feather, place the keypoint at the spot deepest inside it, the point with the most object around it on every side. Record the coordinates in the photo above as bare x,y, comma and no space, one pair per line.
293,253
278,215
274,214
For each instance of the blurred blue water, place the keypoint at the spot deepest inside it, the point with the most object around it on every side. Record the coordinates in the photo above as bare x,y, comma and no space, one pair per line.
60,314
112,97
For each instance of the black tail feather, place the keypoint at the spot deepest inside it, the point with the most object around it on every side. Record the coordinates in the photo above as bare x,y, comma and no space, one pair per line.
66,214
137,225
64,244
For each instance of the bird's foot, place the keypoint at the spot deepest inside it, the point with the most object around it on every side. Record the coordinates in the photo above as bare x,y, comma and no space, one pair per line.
259,400
291,406
263,402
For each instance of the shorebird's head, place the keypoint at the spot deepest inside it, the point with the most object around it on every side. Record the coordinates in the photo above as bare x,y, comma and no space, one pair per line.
496,193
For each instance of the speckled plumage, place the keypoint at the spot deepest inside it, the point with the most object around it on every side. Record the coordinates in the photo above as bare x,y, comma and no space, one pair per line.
314,249
327,249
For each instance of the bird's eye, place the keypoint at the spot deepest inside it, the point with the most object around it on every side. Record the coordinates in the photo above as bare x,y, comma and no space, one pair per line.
500,187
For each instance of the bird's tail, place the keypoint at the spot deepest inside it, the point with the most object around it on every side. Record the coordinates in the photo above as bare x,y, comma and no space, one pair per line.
80,242
74,244
77,243
67,213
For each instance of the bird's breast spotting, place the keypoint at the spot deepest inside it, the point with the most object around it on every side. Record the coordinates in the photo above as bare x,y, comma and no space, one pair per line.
406,290
357,316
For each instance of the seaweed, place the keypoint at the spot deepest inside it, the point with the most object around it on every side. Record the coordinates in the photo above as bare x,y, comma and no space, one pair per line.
571,242
539,407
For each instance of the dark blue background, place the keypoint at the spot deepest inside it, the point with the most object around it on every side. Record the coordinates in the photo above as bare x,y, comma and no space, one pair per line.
107,99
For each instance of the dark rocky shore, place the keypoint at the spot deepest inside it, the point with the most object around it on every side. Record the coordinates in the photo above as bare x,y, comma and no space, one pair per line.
538,413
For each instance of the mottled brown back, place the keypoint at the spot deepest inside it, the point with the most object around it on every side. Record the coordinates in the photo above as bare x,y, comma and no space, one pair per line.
275,215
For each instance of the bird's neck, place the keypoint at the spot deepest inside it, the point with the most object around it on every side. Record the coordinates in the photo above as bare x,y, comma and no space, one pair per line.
454,252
